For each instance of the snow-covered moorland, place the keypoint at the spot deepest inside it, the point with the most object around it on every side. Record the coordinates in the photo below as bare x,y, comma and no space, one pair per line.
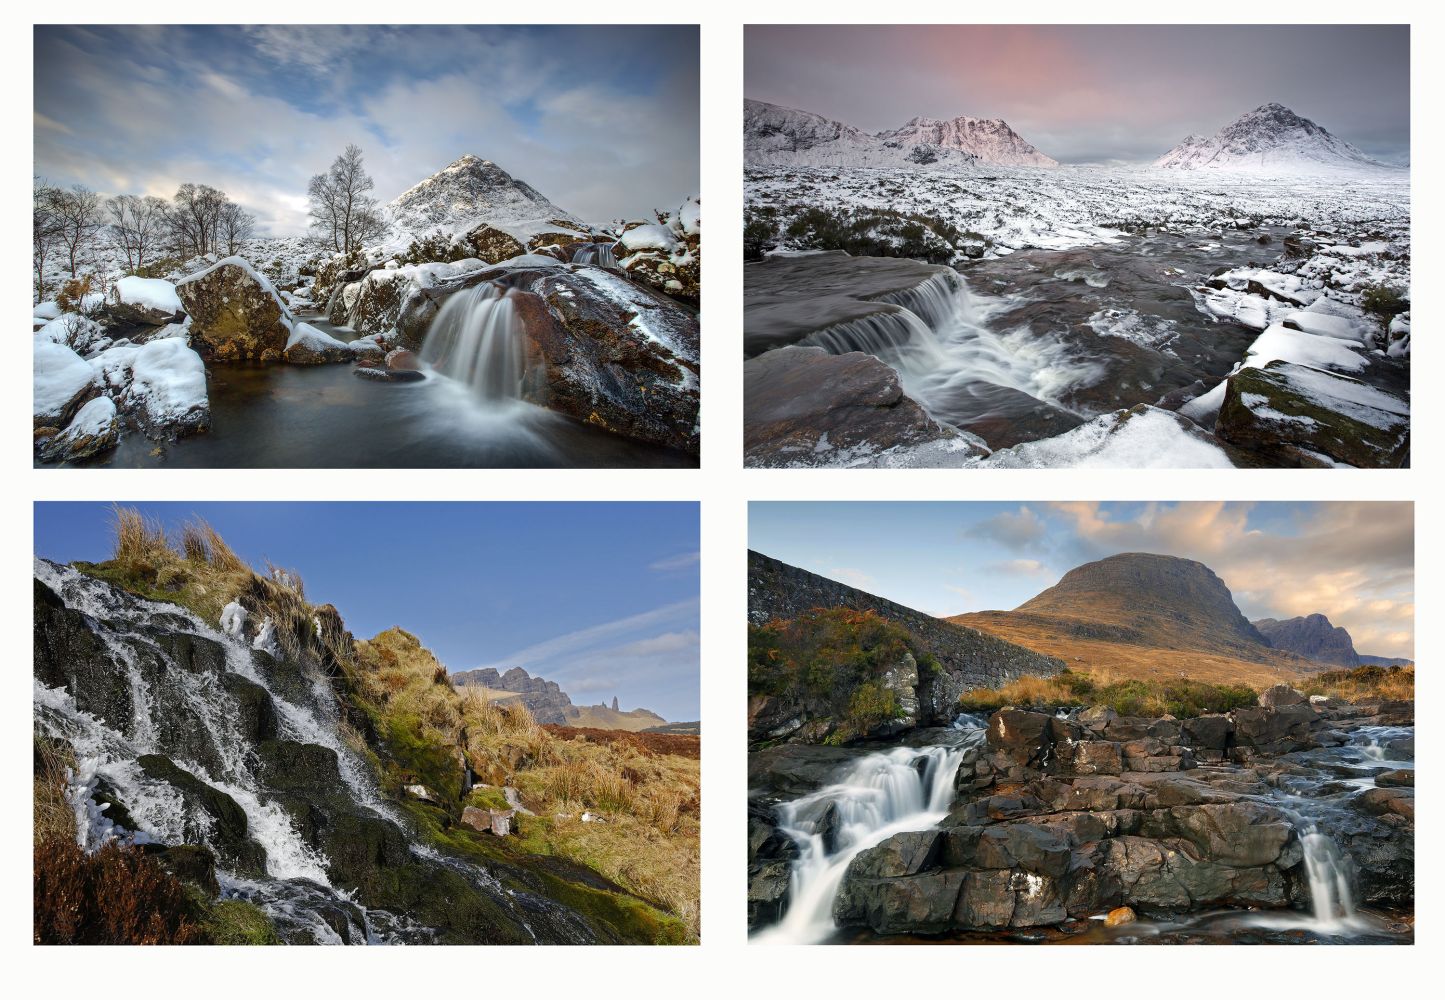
1110,298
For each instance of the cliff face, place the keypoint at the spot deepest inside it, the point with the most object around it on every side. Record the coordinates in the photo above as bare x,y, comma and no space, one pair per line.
969,658
1313,637
548,703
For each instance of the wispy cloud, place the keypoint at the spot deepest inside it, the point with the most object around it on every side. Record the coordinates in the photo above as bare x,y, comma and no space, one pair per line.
656,652
852,577
672,563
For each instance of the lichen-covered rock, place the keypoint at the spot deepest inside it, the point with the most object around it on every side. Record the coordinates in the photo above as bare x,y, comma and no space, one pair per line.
236,314
492,245
1306,417
667,255
803,406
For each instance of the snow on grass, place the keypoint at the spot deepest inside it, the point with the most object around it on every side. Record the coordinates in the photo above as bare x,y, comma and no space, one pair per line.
149,293
60,376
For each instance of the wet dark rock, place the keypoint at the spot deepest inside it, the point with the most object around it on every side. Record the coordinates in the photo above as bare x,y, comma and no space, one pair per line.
806,406
229,829
1395,779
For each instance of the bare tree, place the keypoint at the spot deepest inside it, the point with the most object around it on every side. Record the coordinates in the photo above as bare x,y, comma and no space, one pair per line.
234,227
136,225
47,231
194,218
78,212
341,210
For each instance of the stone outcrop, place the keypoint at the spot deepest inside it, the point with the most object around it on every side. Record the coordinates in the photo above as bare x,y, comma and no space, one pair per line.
544,699
804,406
1057,820
236,315
968,658
1311,636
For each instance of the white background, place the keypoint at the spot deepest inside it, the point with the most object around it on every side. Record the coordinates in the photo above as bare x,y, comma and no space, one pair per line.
724,964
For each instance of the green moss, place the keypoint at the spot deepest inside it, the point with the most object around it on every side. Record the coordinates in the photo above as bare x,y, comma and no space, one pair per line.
237,921
490,797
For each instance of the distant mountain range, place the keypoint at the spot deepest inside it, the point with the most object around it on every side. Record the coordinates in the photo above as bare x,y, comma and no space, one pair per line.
778,136
1314,637
1270,139
550,705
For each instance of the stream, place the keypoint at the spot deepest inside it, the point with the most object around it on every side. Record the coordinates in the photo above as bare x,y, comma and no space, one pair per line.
908,789
324,416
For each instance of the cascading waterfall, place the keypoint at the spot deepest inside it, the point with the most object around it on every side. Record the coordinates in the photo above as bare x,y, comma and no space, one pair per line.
599,254
295,890
893,791
478,340
940,341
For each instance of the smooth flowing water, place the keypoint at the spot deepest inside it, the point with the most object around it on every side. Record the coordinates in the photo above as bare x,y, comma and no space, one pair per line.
1028,345
478,340
882,794
323,416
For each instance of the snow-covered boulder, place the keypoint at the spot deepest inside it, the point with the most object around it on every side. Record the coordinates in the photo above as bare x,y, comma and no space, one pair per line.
95,428
310,346
64,381
81,333
148,301
1296,415
236,314
167,393
666,256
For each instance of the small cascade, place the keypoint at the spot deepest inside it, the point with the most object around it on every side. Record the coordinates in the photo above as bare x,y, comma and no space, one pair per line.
934,301
893,791
478,340
599,254
1329,880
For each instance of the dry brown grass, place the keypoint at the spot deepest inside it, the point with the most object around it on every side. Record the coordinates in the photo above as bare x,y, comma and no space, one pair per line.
116,895
649,839
1143,662
54,819
1364,684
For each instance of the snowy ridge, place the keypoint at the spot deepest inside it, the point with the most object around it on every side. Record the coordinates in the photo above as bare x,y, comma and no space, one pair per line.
1271,139
990,140
778,136
466,193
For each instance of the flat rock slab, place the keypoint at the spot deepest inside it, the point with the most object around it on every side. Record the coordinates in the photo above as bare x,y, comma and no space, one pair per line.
787,298
802,405
1301,416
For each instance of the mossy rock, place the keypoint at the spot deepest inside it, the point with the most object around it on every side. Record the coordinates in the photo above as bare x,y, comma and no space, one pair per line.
229,834
1305,417
238,921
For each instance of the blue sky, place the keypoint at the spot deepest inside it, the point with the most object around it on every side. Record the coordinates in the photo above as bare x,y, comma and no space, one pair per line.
603,120
600,597
1351,561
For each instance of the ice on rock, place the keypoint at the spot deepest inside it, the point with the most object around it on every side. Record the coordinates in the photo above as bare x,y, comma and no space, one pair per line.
649,237
233,619
1144,438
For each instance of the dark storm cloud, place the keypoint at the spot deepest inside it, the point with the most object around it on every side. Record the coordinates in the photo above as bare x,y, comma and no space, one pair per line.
1090,93
602,120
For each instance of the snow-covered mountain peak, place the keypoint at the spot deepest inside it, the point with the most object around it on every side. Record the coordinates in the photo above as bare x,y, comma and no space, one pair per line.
1270,139
466,192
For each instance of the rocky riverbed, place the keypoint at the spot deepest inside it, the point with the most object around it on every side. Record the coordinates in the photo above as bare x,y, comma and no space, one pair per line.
1290,821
